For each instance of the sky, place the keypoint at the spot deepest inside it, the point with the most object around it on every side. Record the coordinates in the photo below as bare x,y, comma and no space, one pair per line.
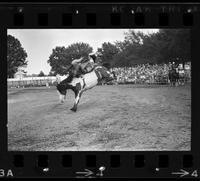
38,43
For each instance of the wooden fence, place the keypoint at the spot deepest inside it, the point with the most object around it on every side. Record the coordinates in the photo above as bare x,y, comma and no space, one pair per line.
31,81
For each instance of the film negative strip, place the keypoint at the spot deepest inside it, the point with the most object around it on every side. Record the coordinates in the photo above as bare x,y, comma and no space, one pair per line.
137,65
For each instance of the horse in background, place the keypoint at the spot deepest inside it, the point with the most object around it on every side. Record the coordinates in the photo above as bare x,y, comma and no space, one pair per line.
173,77
182,77
80,84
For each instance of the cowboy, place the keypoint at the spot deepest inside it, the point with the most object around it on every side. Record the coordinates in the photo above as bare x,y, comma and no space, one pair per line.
84,65
174,66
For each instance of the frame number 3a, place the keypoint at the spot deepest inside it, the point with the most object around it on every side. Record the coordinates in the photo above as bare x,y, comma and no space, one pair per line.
6,173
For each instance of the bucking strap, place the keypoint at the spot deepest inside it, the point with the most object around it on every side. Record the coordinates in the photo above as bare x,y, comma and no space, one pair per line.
84,84
98,75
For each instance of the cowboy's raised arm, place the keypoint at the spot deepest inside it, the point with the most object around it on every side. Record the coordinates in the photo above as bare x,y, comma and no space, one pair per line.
77,61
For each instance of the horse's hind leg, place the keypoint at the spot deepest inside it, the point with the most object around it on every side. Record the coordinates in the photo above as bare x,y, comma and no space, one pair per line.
77,99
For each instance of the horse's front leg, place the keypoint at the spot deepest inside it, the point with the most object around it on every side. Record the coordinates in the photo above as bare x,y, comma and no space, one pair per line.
77,99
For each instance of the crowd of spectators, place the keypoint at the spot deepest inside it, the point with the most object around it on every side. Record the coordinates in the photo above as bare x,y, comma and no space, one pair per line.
146,73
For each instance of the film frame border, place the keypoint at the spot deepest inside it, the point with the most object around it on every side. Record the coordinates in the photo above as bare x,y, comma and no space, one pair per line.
117,164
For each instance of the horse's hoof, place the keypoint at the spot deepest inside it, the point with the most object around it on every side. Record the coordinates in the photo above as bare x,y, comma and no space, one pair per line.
73,109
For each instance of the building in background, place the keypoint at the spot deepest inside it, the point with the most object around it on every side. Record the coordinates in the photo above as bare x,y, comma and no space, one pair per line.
20,74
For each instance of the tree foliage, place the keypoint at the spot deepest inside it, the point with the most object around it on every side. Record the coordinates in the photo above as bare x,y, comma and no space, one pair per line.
16,56
162,47
63,56
41,74
108,51
136,48
51,74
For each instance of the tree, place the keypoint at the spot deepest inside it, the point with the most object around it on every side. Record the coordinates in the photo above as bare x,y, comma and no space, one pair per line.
130,49
161,47
41,74
108,51
179,45
61,57
16,56
134,37
168,45
51,73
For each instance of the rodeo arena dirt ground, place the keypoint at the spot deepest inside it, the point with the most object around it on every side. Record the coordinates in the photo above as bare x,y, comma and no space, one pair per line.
109,118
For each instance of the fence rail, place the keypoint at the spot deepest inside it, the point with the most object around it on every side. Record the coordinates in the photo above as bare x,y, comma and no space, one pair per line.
34,81
51,81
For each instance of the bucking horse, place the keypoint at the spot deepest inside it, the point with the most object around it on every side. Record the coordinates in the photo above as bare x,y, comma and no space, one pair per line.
80,84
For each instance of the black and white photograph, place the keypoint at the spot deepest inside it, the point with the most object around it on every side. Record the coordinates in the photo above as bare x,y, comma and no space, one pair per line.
99,89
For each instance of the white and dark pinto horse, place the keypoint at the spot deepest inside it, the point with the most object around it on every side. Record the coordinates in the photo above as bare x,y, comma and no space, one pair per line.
83,83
